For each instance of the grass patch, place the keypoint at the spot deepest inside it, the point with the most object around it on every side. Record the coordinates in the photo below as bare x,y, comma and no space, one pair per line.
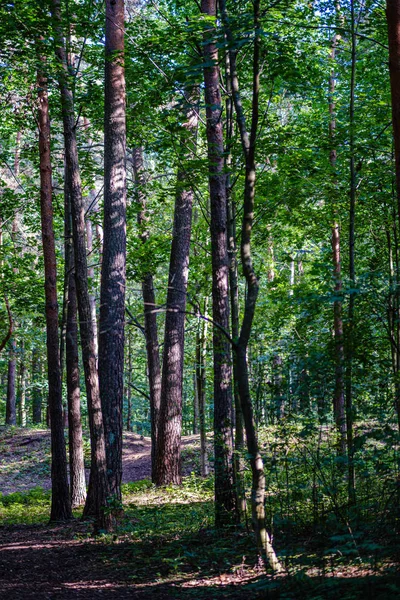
29,508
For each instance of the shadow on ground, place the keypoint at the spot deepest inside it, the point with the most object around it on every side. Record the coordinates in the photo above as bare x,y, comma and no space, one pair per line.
62,562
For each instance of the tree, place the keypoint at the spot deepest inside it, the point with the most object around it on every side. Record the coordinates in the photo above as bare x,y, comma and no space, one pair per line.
168,463
149,310
249,140
76,460
393,23
11,413
225,500
60,500
338,400
113,271
98,491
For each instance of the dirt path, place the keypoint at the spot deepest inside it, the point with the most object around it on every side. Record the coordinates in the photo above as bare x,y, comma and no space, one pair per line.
49,562
25,458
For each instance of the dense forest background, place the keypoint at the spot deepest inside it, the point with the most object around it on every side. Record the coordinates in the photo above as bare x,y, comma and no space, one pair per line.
306,343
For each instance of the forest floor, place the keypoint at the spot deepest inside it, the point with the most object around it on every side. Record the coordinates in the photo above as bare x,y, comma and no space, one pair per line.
165,546
25,458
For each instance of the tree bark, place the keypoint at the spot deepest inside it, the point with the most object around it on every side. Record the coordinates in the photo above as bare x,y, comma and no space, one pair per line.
201,351
225,497
150,314
22,372
168,458
11,413
113,276
249,140
234,295
393,23
60,500
98,492
348,425
129,386
76,459
36,391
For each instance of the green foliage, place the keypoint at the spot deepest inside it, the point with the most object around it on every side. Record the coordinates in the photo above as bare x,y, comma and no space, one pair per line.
25,508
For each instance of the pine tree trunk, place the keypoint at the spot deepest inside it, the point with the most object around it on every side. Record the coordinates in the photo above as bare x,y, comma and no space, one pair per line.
168,458
98,491
225,497
60,500
113,277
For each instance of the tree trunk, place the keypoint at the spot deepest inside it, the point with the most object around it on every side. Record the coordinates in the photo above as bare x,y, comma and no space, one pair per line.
279,397
22,406
60,500
76,459
225,497
201,351
92,208
195,428
168,458
234,295
129,386
113,277
348,426
98,491
393,23
150,314
11,413
249,147
36,391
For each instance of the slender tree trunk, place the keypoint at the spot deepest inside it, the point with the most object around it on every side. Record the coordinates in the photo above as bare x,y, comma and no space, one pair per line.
201,351
22,372
150,314
225,497
60,500
98,491
11,413
76,459
91,282
195,428
234,298
92,208
36,391
113,277
168,458
339,398
9,333
279,397
249,140
393,23
234,295
129,386
352,271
